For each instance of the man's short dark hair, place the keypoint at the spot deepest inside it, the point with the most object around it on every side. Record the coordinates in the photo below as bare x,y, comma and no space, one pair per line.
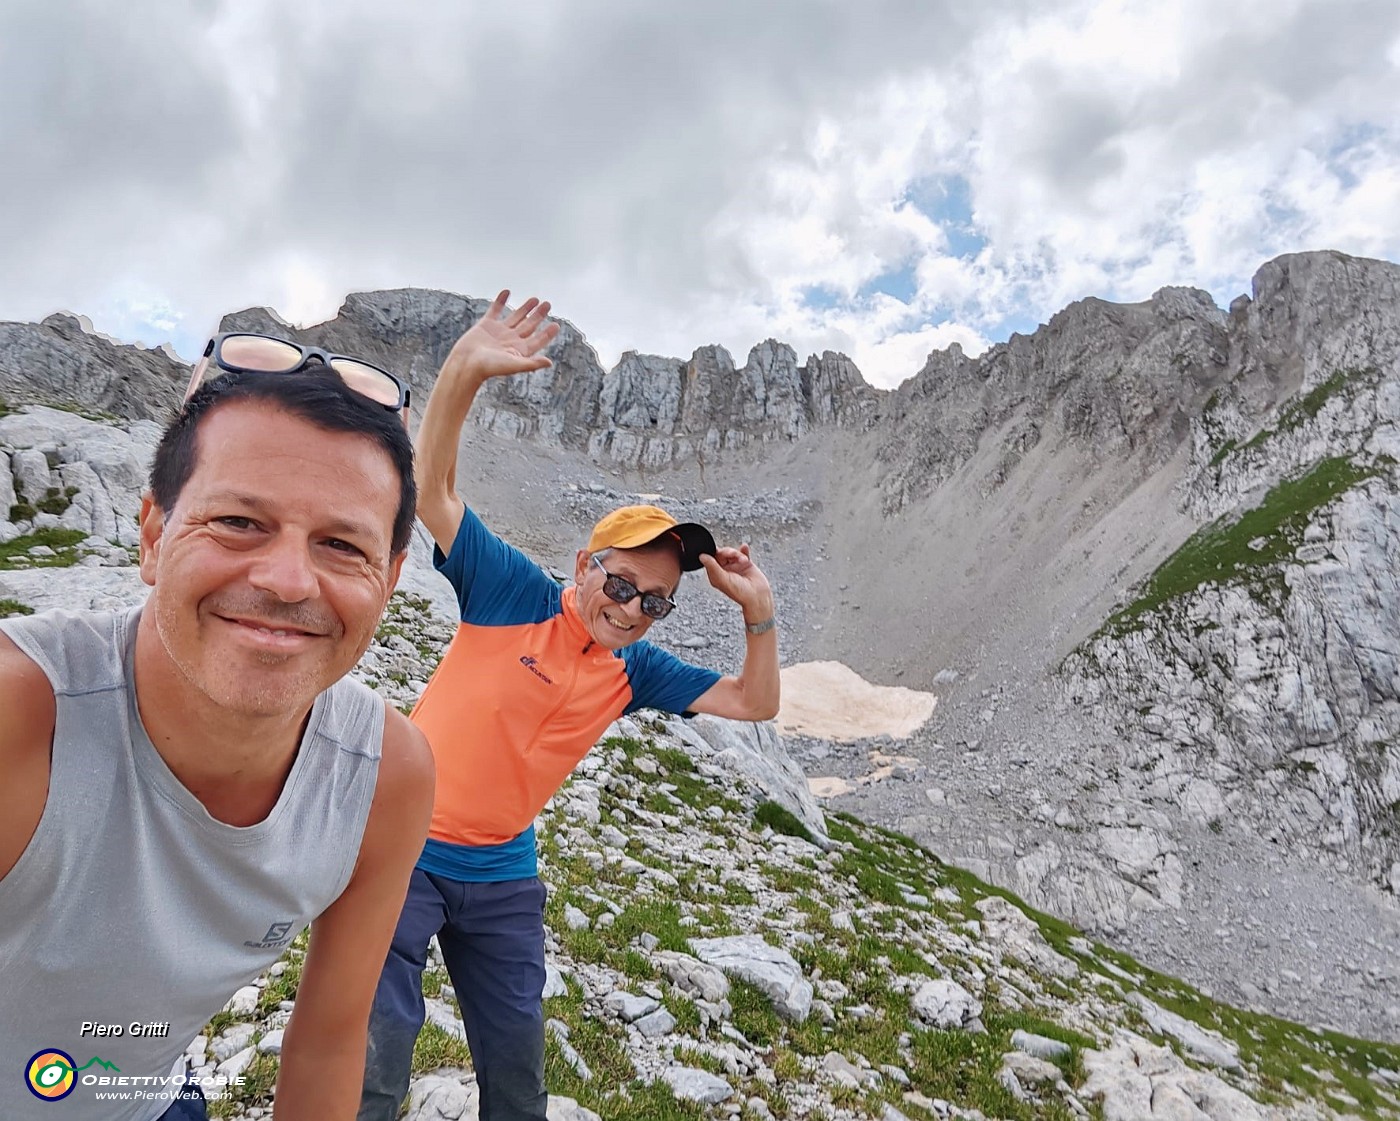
317,397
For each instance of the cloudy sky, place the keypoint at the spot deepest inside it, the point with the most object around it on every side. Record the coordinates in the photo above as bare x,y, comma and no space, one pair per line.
880,178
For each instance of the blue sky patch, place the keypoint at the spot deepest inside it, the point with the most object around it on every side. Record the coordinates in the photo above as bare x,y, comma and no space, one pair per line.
819,297
947,201
900,283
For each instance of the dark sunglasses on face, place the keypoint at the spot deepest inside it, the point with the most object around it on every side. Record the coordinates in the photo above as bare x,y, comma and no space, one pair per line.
620,590
239,352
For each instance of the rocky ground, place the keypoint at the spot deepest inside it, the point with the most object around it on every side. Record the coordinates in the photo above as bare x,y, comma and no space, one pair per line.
708,960
1051,816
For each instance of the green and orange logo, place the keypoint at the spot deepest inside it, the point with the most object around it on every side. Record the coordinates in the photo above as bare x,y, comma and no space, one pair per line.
51,1074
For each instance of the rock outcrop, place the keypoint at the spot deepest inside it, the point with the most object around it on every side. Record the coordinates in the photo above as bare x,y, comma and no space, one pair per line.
1256,674
63,362
1122,382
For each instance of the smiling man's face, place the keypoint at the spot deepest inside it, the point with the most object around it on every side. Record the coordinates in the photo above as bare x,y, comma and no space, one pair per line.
272,570
615,625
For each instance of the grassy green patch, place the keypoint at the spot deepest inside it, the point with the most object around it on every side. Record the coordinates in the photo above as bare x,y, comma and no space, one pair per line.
438,1048
220,1022
61,541
1220,553
1221,452
280,988
781,820
1298,412
754,1014
433,981
962,1067
676,769
10,607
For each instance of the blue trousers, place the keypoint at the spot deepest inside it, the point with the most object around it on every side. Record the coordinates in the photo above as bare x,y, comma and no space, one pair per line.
492,940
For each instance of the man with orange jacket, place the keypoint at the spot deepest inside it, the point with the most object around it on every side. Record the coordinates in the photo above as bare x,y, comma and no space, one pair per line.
533,677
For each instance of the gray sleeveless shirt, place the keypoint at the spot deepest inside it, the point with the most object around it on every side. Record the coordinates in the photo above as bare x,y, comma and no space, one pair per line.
131,905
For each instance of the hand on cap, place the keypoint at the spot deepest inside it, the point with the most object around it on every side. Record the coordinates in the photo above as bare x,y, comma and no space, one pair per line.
504,342
734,574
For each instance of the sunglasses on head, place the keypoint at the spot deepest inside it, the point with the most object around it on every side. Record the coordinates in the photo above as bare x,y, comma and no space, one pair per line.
621,590
239,352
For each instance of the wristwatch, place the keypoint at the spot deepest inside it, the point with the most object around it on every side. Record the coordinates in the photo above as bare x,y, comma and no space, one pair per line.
762,628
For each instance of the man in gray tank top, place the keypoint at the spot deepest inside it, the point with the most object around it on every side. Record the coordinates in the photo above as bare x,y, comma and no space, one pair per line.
189,784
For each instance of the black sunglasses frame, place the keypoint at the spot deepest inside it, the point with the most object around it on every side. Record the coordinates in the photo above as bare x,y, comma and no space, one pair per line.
619,589
213,354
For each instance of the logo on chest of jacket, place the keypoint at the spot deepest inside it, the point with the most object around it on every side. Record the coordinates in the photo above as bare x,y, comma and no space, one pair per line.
532,665
277,936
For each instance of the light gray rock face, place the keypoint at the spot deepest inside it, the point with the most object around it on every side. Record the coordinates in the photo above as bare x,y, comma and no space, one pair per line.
1134,1080
1123,862
1005,923
943,1003
98,470
554,984
629,1006
755,751
1269,695
1039,1046
1208,1046
63,361
697,1085
693,976
443,1096
1120,380
772,970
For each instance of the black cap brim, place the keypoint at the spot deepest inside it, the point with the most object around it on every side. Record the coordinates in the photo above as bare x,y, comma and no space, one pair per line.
695,541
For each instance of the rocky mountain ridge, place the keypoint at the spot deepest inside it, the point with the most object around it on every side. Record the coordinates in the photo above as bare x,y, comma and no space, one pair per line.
648,411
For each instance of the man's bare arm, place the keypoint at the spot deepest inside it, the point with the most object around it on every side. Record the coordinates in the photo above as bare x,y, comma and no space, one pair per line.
323,1056
500,343
26,743
754,693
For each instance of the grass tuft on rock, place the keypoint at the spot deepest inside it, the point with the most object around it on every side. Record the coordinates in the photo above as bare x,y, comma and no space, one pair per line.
1227,552
781,820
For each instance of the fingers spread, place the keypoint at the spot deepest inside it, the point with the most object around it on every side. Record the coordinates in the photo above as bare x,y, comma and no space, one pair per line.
498,305
517,317
541,339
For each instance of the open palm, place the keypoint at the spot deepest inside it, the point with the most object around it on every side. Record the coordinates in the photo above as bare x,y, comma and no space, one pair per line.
504,342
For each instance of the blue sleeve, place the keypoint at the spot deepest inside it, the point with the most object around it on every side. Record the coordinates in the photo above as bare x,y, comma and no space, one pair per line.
661,680
496,584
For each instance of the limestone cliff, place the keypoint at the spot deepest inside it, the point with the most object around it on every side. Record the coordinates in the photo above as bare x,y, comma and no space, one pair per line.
1256,674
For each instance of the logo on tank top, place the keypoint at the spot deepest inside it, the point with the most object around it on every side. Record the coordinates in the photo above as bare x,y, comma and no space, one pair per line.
277,936
530,663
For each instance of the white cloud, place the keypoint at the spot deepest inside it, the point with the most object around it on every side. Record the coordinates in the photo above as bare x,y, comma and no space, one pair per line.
673,177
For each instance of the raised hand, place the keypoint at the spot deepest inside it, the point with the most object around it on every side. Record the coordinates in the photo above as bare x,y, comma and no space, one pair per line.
503,342
733,573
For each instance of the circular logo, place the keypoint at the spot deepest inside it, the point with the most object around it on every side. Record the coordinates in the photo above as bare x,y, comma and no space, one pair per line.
50,1075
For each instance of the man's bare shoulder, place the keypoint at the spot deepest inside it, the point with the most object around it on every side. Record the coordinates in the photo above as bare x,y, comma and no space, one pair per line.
407,774
403,800
26,733
27,700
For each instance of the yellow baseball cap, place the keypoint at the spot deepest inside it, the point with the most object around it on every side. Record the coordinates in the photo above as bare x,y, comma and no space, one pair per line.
640,525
